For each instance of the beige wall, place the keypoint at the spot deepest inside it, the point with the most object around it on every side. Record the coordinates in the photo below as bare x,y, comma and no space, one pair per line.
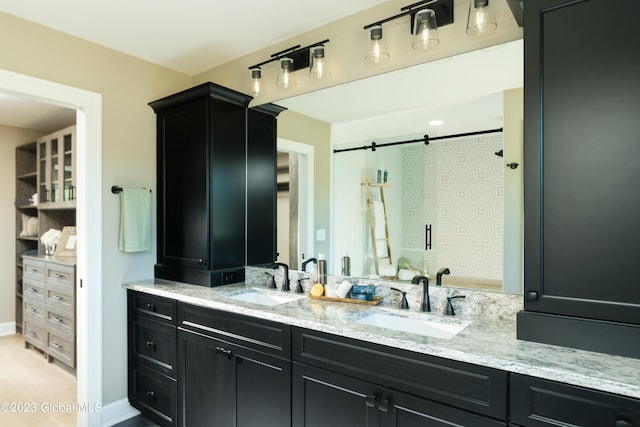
127,84
10,138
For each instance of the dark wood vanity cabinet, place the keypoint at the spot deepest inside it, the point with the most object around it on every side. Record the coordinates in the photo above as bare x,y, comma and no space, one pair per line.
234,371
152,357
344,382
582,159
540,403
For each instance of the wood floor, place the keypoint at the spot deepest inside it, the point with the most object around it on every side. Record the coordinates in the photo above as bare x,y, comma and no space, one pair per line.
33,392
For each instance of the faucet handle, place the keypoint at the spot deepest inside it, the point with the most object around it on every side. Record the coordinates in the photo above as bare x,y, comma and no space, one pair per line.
299,289
403,304
449,309
272,285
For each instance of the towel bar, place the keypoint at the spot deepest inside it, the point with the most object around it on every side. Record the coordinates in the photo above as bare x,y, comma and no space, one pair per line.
117,190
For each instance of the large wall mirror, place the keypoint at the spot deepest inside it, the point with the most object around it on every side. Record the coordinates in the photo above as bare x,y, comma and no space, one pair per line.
453,203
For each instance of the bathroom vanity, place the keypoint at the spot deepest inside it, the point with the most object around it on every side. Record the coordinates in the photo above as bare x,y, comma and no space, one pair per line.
201,355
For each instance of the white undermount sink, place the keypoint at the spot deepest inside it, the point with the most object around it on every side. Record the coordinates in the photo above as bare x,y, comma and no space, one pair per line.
412,323
263,297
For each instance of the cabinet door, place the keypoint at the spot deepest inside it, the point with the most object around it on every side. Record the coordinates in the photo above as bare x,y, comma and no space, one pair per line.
581,156
541,403
182,156
322,398
403,410
205,399
261,386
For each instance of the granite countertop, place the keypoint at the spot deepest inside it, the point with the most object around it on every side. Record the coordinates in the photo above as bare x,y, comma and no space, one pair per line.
487,340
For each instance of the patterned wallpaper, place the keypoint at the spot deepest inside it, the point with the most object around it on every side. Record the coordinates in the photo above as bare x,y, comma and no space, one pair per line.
460,193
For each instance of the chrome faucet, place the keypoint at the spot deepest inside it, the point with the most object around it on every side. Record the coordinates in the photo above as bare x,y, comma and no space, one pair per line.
425,305
285,280
439,274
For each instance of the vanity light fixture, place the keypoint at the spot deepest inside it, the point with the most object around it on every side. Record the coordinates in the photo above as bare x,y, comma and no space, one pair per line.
425,30
426,17
482,19
377,48
256,88
289,61
319,68
286,79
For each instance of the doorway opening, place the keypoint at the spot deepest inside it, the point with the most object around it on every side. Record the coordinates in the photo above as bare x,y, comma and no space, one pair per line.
88,106
295,202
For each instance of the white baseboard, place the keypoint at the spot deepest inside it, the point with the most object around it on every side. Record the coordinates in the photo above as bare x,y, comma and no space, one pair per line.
117,412
8,328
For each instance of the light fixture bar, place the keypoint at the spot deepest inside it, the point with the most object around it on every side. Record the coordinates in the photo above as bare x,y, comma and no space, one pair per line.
442,8
300,54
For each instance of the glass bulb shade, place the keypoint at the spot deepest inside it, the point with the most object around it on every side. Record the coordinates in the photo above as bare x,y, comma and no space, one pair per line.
377,48
482,18
256,87
286,78
425,30
318,63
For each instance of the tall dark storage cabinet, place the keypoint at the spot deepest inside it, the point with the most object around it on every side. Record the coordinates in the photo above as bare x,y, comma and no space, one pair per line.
201,167
582,175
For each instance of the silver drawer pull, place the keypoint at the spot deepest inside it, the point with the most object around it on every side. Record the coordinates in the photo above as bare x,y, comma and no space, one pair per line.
32,310
33,333
56,345
57,319
33,270
58,276
33,290
57,298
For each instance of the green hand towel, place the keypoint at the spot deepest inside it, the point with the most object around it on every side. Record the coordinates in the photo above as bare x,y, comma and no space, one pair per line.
135,220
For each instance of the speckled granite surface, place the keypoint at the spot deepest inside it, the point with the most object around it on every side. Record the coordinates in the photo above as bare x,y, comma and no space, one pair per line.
488,340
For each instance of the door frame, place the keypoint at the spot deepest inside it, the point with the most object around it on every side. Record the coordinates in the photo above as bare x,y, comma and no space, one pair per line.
88,106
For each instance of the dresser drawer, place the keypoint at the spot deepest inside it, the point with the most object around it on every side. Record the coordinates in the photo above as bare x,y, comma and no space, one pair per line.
33,269
540,403
34,312
33,290
34,334
462,385
61,347
153,344
60,276
60,322
152,306
60,298
155,395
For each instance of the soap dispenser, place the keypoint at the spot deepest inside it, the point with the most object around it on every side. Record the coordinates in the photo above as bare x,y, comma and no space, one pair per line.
322,269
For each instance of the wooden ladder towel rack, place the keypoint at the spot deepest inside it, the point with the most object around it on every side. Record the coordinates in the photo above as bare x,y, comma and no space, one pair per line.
372,223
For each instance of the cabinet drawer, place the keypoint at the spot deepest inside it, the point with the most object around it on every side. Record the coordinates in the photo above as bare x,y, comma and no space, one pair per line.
34,333
60,298
33,290
60,276
471,387
33,269
159,308
154,394
153,344
537,402
61,347
61,322
262,335
34,311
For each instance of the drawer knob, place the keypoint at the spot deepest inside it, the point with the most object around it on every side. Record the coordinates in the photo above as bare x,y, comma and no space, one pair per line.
532,296
370,401
151,395
151,307
383,405
151,345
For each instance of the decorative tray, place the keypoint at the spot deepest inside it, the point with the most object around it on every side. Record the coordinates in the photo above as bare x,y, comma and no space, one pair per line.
375,301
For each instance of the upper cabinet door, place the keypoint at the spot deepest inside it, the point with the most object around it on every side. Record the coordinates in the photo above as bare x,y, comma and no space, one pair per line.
56,169
183,184
582,159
